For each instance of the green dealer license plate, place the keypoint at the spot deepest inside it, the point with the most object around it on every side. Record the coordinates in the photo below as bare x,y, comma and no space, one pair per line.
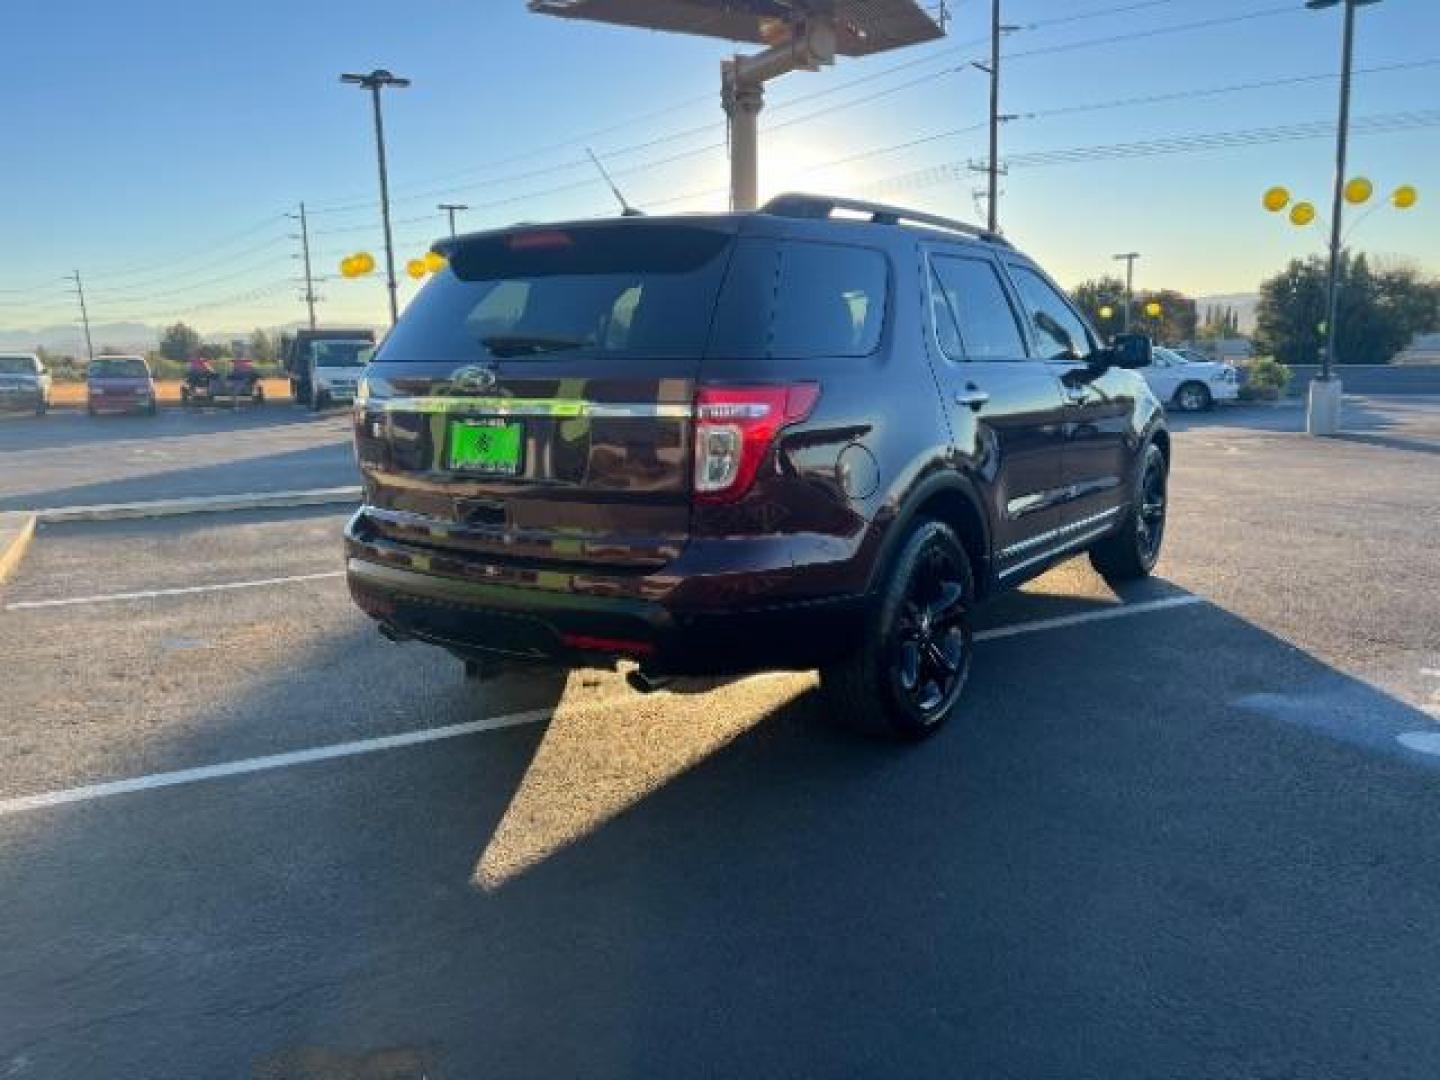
486,446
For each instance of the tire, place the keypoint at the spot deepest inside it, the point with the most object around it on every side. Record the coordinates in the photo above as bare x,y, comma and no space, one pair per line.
1132,551
907,675
1193,397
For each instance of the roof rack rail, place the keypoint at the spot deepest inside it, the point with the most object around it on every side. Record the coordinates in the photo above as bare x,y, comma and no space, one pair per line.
823,206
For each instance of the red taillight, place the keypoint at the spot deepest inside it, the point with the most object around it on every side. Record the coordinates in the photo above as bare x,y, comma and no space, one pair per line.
617,646
734,427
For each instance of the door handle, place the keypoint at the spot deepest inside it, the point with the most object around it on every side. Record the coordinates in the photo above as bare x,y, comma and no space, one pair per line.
972,396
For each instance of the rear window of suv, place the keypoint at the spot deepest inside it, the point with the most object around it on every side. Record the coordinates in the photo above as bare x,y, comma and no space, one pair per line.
681,291
638,289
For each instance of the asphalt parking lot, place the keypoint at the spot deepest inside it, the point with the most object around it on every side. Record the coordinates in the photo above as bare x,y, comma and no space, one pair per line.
1181,831
70,459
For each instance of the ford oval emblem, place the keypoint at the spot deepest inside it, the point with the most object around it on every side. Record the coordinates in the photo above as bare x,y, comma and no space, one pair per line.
474,378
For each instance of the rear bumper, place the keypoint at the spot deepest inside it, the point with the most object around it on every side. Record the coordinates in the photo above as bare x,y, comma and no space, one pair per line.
529,622
120,403
11,400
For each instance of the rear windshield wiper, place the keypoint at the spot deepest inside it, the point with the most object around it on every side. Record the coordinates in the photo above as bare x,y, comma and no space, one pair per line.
529,344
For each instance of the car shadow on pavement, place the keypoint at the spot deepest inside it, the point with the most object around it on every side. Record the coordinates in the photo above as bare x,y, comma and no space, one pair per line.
1168,845
67,428
331,465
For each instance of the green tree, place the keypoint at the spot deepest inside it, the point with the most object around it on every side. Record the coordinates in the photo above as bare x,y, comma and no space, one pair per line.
212,352
1177,311
179,342
1093,295
1220,323
1177,319
263,347
1378,313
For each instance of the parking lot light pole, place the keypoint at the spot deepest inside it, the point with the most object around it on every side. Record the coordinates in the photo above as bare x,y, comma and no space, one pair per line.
1322,416
376,81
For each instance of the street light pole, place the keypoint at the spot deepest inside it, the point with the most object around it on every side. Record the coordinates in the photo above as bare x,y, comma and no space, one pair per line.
1129,257
1323,413
375,82
450,209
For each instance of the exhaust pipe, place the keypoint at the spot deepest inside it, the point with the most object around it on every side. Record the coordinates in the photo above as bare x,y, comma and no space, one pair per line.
644,682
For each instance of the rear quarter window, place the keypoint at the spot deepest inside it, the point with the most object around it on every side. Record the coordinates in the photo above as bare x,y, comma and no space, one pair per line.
792,299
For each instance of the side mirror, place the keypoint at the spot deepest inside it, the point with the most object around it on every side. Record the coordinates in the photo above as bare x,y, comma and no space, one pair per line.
1132,351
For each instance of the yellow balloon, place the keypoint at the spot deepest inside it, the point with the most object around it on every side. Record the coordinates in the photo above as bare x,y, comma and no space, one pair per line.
415,268
1405,197
1107,312
1276,199
1153,309
364,262
1358,191
1302,214
434,262
348,267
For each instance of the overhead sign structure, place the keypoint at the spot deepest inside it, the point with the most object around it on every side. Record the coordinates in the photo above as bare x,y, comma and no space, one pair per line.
799,35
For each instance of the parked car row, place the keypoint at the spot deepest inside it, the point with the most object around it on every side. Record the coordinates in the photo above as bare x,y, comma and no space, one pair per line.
329,366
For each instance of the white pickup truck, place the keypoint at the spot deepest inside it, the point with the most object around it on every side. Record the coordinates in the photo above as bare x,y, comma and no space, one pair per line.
325,365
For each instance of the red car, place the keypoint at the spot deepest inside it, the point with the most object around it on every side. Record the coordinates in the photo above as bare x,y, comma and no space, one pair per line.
119,384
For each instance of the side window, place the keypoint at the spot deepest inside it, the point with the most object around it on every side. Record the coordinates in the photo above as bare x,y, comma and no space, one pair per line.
1060,334
797,299
984,326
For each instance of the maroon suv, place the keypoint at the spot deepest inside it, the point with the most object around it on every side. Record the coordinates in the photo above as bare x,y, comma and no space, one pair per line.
719,444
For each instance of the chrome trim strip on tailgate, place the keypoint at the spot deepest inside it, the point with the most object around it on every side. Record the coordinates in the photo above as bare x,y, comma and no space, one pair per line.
562,408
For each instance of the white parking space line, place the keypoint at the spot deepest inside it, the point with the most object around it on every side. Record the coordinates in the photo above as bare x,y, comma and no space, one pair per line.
1115,611
357,747
184,590
270,761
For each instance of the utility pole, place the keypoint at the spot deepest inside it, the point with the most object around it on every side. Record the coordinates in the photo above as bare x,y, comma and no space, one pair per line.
304,239
450,209
375,82
994,187
84,315
1129,257
993,167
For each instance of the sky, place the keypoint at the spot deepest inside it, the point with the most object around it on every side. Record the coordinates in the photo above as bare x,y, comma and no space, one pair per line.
156,146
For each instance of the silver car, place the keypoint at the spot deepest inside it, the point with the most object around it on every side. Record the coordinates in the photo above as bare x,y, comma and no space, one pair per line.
24,383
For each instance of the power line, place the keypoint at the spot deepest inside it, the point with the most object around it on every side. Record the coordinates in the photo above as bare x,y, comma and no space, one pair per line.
1183,95
1384,123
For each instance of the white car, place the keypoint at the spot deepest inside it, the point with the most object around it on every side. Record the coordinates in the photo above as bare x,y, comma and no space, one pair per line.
24,382
1189,385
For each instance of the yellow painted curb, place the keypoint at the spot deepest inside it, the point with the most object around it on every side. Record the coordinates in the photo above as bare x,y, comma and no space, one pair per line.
16,531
